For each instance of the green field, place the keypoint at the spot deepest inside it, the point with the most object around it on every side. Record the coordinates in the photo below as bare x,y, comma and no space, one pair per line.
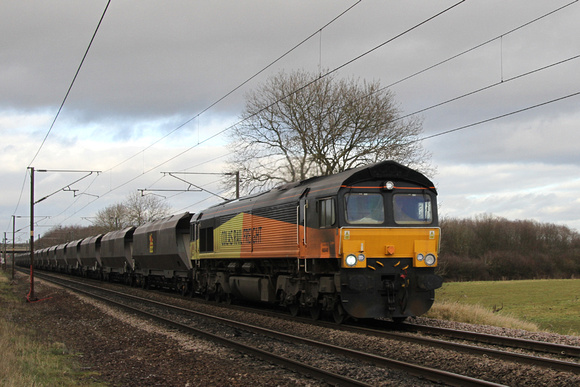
553,305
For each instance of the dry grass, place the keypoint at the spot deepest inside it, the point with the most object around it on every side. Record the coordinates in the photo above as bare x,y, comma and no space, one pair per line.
552,305
477,314
24,360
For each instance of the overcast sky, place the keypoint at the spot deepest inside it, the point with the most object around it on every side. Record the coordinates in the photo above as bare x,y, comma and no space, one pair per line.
153,67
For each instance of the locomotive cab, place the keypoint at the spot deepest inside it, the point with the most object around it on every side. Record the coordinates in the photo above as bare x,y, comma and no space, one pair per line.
388,247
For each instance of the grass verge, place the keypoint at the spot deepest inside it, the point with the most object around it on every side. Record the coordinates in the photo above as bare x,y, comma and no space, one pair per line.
548,305
25,359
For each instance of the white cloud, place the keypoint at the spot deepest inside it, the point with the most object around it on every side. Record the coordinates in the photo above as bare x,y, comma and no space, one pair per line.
153,67
544,192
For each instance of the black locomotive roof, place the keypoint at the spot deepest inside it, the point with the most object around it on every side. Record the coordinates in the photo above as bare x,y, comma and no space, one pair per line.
389,170
385,170
323,185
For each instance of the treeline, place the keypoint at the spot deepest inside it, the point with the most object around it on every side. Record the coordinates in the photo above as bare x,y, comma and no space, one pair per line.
135,210
481,249
494,248
63,234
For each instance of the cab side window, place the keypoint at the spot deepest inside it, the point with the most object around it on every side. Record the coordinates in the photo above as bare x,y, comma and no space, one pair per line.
206,240
326,212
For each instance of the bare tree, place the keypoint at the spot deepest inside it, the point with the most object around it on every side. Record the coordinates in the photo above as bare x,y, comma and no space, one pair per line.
62,234
298,125
142,209
113,217
134,211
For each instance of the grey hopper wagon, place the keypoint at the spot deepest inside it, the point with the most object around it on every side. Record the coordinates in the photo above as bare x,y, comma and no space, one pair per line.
60,257
116,254
90,256
71,254
162,253
51,257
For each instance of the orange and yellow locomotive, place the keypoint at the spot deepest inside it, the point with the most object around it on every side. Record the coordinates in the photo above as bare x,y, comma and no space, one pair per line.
361,243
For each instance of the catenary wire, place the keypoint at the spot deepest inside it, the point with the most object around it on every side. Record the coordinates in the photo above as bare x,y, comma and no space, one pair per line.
501,82
531,107
241,84
71,84
480,45
473,92
299,89
295,91
62,103
497,117
513,30
188,121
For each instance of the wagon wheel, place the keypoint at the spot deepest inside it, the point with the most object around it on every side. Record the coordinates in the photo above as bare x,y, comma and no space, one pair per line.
293,309
315,311
183,289
338,314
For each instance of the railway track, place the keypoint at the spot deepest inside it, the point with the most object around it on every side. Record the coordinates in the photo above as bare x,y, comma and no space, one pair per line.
413,369
501,341
403,332
539,361
532,345
144,307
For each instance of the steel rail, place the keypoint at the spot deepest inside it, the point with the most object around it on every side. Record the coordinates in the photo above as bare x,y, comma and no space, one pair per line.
472,336
538,346
302,368
558,349
534,345
471,349
413,369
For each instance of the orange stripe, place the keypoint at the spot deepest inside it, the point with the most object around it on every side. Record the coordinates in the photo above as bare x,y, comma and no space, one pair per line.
353,187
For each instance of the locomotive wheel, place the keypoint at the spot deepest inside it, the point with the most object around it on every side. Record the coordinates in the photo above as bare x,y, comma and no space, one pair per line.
339,314
220,295
207,295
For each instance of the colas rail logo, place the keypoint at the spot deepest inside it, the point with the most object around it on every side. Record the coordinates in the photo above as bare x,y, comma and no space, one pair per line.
245,236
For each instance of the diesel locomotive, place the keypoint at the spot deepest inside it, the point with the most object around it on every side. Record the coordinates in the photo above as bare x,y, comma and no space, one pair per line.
362,243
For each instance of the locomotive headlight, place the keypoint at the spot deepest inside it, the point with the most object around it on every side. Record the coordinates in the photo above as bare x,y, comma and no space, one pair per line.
430,260
420,257
350,260
389,185
361,257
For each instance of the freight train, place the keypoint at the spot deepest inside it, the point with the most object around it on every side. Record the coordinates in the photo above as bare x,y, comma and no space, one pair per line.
362,243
